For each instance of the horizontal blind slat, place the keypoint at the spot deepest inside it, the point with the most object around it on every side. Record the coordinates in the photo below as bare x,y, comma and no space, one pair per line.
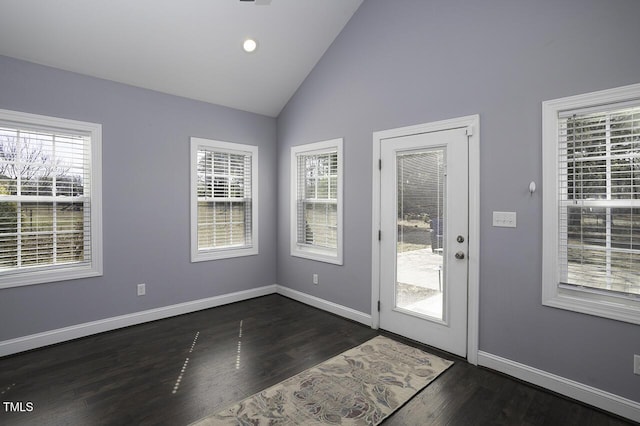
224,199
45,182
599,198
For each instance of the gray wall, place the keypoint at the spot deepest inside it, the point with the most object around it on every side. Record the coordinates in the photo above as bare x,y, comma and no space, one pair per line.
406,62
145,199
396,63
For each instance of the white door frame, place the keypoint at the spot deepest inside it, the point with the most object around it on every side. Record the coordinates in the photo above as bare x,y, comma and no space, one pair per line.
472,124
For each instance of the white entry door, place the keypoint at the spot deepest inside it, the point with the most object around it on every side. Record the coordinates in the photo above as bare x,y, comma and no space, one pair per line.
424,212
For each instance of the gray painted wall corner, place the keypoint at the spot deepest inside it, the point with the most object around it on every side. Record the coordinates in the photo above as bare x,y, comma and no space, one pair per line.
145,199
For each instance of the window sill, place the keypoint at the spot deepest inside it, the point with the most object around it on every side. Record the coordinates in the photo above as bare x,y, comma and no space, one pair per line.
47,275
318,255
203,256
576,300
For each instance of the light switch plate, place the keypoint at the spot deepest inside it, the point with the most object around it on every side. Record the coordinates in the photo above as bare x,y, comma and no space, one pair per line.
504,219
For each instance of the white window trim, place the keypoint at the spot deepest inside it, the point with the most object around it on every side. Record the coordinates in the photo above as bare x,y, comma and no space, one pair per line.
307,252
40,275
223,252
575,299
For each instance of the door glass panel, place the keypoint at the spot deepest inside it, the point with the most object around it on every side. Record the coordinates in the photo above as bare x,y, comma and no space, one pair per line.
420,270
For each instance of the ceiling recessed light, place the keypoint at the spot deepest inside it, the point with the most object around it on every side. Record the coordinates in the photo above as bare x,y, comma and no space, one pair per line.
249,45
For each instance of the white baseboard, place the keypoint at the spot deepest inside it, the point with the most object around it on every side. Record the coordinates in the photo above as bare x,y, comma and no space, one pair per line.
325,305
38,340
589,395
598,398
51,337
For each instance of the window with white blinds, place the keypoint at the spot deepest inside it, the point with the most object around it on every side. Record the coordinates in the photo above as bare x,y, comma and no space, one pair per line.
316,211
597,202
49,199
224,199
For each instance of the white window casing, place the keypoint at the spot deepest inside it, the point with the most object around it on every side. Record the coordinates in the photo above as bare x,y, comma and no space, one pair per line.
50,199
591,203
316,201
224,199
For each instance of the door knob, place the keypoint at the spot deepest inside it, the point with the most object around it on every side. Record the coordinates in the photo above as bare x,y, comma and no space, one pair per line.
459,255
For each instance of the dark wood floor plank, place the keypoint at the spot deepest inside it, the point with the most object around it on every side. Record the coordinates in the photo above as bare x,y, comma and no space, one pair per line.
128,376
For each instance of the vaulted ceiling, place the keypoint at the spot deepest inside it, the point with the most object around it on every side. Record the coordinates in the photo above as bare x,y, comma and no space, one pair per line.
190,48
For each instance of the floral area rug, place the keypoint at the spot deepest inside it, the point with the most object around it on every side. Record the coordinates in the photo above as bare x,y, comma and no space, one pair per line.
361,386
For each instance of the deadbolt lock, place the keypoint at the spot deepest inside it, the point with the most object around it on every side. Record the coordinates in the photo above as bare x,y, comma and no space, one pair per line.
460,239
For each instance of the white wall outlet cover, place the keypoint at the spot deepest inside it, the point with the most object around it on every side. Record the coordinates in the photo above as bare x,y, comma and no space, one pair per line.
504,219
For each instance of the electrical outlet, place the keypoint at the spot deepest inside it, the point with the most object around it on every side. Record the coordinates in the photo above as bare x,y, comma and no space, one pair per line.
142,289
315,279
636,364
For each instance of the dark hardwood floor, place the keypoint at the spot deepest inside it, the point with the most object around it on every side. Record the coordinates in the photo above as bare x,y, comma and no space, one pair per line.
178,370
